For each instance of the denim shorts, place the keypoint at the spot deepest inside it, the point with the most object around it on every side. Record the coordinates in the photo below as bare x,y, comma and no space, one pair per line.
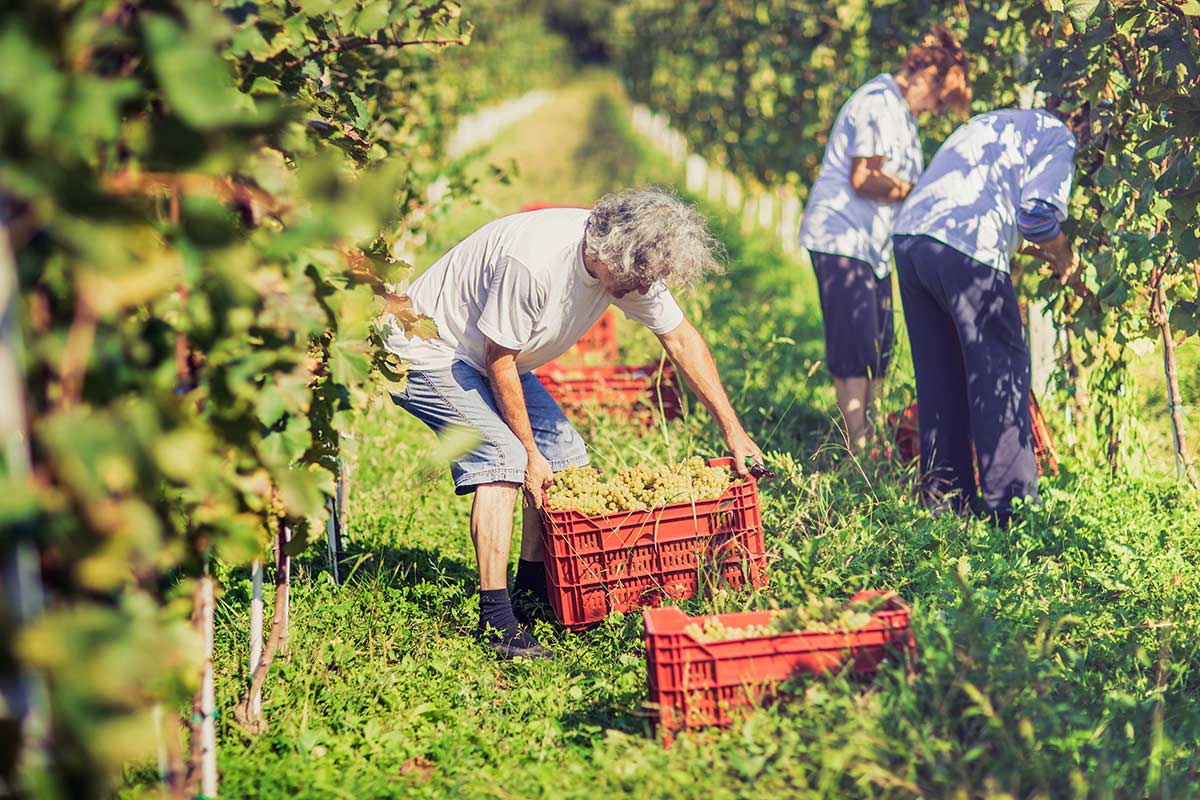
459,398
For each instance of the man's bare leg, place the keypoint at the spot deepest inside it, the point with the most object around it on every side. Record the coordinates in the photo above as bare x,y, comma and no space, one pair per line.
532,548
491,532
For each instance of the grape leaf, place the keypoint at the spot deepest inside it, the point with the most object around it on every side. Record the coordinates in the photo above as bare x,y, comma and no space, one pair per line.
1185,318
371,18
1081,10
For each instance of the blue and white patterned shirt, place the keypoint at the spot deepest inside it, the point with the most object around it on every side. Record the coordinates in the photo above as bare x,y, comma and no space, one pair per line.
992,166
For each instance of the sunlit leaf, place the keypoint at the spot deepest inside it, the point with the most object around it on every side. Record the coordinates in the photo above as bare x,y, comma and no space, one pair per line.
1080,10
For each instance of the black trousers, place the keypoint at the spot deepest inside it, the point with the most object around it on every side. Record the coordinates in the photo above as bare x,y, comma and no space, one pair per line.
972,369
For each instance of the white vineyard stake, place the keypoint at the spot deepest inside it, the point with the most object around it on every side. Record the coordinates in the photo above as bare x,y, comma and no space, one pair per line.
775,209
286,563
766,211
714,184
781,194
256,624
733,192
208,696
791,222
694,176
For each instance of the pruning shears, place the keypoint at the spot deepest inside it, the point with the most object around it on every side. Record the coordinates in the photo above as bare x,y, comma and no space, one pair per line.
758,469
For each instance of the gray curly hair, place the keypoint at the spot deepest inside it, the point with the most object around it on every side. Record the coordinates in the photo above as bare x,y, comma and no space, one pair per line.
649,234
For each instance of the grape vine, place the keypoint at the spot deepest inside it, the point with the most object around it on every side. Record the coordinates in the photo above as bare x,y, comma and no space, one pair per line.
205,201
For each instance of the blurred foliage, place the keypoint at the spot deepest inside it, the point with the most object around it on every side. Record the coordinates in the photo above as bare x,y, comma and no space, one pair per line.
755,88
586,24
515,50
206,200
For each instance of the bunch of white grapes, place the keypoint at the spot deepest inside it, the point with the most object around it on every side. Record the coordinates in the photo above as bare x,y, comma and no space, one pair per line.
818,615
713,630
586,490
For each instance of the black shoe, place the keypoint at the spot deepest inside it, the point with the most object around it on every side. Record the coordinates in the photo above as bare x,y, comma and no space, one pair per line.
519,643
529,608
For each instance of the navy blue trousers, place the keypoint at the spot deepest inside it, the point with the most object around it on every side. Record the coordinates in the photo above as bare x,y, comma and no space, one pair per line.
856,308
972,369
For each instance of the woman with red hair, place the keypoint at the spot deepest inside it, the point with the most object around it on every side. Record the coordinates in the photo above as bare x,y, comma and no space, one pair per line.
871,162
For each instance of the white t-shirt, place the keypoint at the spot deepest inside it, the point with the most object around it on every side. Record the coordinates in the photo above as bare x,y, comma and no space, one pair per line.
520,281
990,166
875,121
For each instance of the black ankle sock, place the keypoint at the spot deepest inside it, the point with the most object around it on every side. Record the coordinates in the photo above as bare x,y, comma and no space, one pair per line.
495,611
531,580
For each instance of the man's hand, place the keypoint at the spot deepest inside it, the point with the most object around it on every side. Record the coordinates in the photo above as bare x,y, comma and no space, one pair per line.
538,476
1055,251
1031,249
744,451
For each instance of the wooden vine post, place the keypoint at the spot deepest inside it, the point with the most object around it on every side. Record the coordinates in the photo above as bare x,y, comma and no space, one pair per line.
168,728
248,711
1162,319
343,501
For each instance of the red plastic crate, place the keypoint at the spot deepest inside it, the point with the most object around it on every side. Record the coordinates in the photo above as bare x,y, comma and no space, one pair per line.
1043,444
614,390
600,339
695,684
626,560
906,434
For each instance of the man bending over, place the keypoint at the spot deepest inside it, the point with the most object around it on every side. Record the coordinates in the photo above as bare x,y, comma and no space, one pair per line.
513,296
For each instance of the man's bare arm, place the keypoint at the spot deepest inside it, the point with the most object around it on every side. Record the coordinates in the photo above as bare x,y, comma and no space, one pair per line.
501,364
687,348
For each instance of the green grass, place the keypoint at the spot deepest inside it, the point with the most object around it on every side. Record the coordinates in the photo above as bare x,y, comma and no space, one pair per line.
1057,658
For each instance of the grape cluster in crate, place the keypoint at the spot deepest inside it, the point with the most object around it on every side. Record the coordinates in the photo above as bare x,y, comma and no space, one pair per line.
586,490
